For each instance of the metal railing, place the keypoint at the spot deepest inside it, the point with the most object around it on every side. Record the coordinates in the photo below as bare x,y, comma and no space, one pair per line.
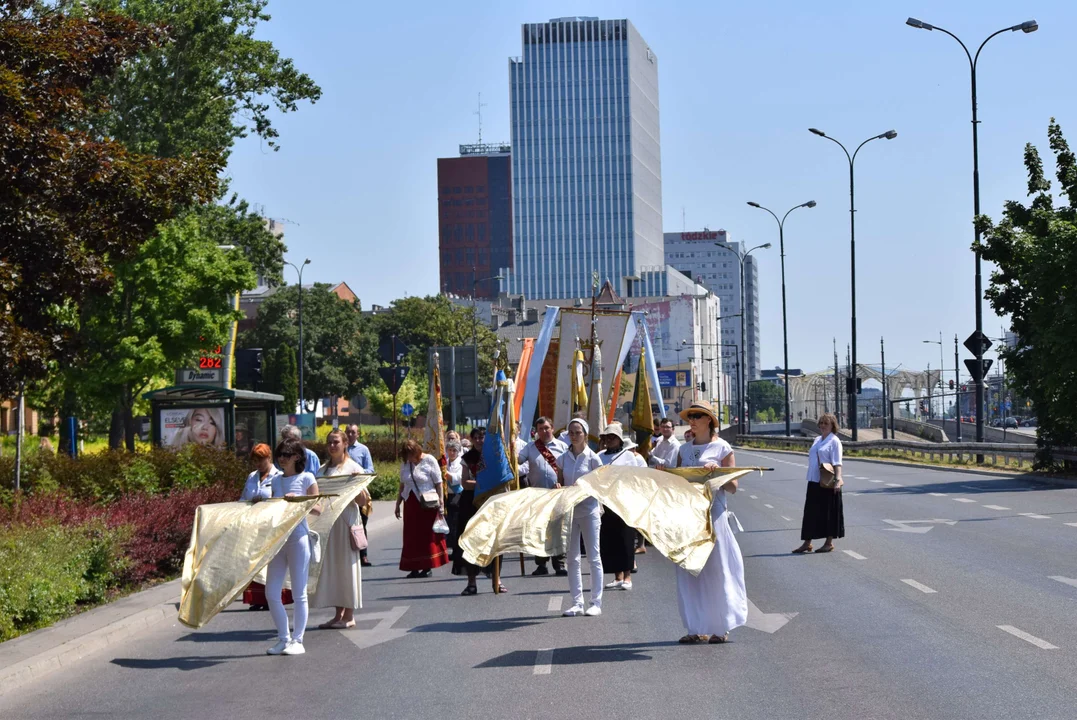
1008,452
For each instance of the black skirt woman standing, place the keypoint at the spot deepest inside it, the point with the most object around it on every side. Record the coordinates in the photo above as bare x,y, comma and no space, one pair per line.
824,516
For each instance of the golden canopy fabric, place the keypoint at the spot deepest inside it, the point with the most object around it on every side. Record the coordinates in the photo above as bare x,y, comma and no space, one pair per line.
672,512
231,543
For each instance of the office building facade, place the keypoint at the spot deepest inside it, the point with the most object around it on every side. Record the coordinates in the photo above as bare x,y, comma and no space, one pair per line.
717,269
475,219
586,160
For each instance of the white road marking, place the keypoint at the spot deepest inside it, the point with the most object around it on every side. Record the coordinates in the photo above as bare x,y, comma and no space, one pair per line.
877,481
543,661
787,519
894,485
854,555
1034,516
768,506
857,477
937,494
555,603
919,586
1066,580
964,500
754,497
996,507
1041,644
380,633
917,526
1072,524
973,488
766,622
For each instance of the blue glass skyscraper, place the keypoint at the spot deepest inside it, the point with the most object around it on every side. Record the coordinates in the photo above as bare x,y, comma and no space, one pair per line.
586,160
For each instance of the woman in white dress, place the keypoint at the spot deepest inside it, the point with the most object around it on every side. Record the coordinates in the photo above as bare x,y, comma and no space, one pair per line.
715,601
340,584
573,464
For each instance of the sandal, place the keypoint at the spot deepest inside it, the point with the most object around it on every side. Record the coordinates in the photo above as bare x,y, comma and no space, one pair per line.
693,639
825,549
803,549
502,589
470,590
719,639
331,624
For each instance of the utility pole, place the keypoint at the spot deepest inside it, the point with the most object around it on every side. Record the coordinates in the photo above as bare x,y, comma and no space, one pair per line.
957,390
837,382
882,349
852,409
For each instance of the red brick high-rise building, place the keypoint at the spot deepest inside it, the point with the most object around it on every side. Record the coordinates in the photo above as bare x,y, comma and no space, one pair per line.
475,219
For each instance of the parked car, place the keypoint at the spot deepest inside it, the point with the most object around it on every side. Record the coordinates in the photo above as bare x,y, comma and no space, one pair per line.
996,422
1010,422
1029,422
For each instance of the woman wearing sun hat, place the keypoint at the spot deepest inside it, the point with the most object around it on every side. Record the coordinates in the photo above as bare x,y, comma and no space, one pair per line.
616,539
714,602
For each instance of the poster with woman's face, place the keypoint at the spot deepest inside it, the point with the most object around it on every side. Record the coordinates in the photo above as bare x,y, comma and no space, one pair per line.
201,426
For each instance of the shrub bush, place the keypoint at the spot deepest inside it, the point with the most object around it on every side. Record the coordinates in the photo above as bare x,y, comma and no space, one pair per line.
47,570
387,484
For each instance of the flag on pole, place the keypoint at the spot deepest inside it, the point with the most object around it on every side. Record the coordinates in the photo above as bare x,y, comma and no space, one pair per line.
579,384
642,419
434,435
523,375
596,409
500,472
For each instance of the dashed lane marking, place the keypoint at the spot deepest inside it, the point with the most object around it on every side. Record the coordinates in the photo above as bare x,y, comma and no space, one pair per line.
877,481
894,485
1068,581
555,604
1038,642
996,507
854,555
919,586
754,497
964,500
787,519
1034,516
937,494
543,661
1072,524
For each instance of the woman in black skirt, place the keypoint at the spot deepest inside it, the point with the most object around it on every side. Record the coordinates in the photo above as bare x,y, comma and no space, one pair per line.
616,540
823,514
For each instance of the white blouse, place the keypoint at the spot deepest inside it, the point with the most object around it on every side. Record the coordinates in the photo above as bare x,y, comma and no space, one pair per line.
425,476
623,457
256,487
573,466
692,455
826,450
455,469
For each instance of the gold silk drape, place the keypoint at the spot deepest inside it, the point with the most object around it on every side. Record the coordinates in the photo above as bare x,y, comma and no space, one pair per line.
671,509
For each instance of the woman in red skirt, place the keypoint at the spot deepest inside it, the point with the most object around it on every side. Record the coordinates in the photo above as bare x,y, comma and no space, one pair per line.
420,488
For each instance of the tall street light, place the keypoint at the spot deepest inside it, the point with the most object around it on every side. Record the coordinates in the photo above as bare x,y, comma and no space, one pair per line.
1026,27
942,366
888,135
785,331
742,391
302,397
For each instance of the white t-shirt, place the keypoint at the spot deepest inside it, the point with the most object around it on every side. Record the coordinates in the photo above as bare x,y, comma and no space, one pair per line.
575,466
823,451
623,457
692,455
298,484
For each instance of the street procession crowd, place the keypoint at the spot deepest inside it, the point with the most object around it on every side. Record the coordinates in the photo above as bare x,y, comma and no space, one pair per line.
436,503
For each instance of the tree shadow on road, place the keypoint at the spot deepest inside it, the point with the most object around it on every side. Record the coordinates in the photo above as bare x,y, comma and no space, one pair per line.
490,625
580,655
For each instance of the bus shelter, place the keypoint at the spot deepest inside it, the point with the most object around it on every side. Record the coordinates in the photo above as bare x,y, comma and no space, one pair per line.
213,416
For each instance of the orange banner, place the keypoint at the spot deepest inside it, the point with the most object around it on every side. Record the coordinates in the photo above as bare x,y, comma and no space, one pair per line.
521,374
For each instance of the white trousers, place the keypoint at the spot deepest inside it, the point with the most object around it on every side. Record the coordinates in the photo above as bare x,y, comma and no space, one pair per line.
586,521
293,559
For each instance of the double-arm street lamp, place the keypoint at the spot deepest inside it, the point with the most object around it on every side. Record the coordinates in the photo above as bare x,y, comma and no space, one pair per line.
1026,27
888,135
474,324
741,258
785,331
299,269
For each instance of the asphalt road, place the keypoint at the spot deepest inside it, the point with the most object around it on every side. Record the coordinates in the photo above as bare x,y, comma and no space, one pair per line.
953,595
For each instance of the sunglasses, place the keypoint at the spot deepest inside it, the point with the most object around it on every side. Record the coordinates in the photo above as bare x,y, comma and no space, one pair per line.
287,455
695,416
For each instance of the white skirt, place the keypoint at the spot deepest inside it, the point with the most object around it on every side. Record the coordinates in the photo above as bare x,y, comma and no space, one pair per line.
341,581
715,601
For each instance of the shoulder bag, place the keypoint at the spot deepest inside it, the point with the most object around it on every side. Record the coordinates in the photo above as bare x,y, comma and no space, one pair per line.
428,499
358,537
827,477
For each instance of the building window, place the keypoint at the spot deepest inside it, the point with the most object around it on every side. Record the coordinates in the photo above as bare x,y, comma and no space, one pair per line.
456,190
469,189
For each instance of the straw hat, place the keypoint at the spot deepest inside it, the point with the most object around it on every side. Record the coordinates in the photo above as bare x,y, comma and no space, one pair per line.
698,407
615,428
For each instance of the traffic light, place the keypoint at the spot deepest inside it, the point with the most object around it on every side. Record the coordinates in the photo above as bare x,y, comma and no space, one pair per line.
951,384
249,367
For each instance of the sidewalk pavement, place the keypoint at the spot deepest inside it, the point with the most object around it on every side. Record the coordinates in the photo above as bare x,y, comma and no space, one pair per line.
31,656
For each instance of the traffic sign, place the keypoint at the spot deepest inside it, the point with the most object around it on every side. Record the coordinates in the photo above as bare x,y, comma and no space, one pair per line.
1008,406
977,340
974,368
393,377
392,350
407,409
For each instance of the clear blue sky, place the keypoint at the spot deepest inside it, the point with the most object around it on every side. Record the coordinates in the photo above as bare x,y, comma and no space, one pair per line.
739,86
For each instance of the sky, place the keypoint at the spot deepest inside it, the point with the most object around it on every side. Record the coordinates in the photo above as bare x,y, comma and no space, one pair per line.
740,84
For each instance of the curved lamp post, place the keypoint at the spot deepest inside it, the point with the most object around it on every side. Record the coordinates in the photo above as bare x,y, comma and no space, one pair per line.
299,270
785,332
1029,26
888,135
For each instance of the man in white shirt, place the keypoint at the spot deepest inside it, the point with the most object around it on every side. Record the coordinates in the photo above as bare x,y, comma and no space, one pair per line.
664,453
541,456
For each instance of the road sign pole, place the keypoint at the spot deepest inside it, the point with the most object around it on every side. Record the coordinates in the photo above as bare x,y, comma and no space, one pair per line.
396,425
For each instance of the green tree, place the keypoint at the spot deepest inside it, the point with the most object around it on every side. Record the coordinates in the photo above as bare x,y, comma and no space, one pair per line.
766,396
72,203
411,392
1035,251
288,378
171,301
339,356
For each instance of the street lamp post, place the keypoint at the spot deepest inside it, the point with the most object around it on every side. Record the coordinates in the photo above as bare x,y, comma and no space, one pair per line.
741,258
474,324
1026,27
888,135
942,365
785,331
957,389
299,270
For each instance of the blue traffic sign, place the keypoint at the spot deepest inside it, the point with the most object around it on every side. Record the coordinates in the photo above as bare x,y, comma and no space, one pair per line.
1008,406
407,409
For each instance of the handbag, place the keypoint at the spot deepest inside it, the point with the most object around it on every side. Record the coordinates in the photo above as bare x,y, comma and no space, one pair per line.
828,479
428,499
358,537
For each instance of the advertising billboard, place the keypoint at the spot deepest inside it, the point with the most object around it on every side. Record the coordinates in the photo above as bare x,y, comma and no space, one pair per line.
200,426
